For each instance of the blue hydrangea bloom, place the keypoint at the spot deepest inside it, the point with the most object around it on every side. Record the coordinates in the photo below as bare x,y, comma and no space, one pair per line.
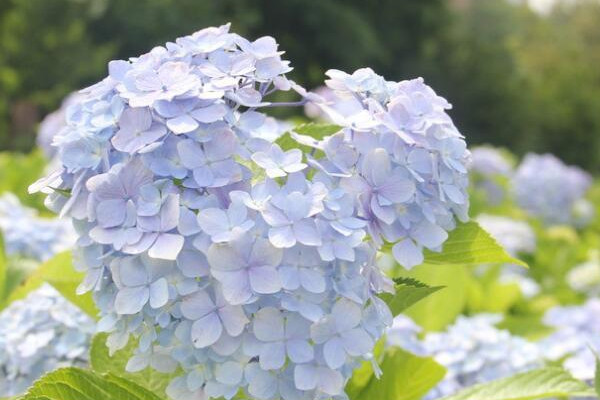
548,189
577,331
490,166
263,282
30,236
474,351
39,334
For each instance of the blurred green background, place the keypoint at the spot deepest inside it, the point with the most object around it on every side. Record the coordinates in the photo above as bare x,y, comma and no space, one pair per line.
519,78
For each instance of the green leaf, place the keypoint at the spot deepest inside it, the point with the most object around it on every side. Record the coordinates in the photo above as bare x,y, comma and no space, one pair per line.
317,131
405,377
443,306
79,384
408,292
312,130
538,384
60,273
469,244
102,362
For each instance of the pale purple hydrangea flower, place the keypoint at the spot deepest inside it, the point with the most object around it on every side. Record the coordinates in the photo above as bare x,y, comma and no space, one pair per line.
39,334
490,167
263,283
548,189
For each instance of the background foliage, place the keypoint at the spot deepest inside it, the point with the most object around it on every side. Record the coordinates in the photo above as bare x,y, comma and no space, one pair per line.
526,81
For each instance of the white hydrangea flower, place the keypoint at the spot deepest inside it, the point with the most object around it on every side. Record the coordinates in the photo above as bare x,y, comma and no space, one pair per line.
39,334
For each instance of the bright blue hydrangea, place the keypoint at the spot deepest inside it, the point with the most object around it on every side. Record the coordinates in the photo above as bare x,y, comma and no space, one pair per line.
577,331
30,236
490,166
474,351
39,334
548,189
247,266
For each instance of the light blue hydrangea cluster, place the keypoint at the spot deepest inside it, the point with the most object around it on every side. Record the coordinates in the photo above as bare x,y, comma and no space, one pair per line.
53,124
249,266
39,334
577,331
490,167
30,236
404,333
547,188
517,238
474,351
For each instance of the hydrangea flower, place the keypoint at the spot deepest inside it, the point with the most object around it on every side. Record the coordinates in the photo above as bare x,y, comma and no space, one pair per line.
577,331
53,124
548,189
474,351
260,282
489,167
30,236
39,334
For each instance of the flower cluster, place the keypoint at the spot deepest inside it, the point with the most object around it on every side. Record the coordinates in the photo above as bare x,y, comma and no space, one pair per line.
404,334
39,334
490,166
249,266
29,236
577,333
53,124
474,351
546,188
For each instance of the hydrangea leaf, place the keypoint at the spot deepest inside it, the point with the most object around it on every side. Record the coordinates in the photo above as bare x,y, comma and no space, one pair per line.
60,273
312,130
102,362
442,307
408,292
75,383
469,244
405,377
538,384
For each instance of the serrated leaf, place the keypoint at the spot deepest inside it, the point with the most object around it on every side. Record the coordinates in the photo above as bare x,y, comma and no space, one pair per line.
441,308
538,384
405,377
102,362
408,292
60,273
469,244
79,384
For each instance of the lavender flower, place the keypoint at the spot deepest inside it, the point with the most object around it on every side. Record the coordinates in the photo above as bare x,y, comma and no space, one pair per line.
39,334
576,333
28,235
490,167
548,189
264,283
